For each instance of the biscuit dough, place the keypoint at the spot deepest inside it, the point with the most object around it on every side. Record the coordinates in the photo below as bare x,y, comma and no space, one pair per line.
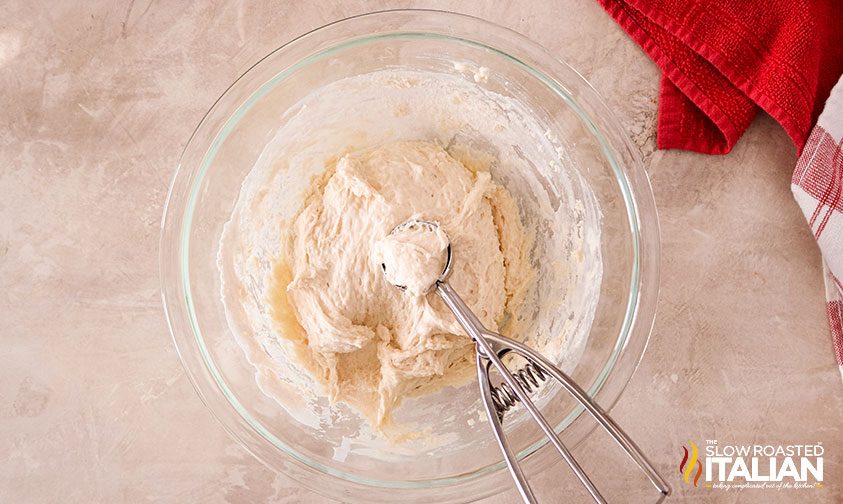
368,342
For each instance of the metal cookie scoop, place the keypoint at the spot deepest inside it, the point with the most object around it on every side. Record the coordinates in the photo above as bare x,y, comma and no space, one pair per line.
491,347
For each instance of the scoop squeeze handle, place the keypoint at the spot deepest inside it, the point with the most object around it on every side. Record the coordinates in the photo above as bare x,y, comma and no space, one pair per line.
491,347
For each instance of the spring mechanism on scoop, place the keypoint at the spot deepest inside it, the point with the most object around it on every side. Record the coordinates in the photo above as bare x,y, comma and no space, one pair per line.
529,377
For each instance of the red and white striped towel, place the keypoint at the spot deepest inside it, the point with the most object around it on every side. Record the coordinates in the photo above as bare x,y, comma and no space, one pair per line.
818,188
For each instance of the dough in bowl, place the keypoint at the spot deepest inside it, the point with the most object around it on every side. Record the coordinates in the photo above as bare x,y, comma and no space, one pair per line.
368,342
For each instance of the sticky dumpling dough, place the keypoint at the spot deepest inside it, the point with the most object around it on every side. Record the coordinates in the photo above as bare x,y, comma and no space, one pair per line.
368,342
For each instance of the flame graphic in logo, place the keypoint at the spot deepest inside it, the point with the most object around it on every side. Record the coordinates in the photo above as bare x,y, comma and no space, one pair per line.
693,462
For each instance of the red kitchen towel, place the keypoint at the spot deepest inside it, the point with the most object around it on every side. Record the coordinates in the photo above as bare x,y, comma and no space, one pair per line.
721,59
818,188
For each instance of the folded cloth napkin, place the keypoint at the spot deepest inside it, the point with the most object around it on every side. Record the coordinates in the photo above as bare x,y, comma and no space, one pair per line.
721,59
818,188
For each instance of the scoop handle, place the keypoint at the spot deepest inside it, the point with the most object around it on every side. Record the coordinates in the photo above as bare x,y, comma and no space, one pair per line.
486,350
490,347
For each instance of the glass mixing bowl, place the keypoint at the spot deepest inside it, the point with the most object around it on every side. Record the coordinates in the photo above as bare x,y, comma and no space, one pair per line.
229,142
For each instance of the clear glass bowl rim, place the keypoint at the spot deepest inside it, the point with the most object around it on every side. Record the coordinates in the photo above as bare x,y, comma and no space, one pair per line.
178,214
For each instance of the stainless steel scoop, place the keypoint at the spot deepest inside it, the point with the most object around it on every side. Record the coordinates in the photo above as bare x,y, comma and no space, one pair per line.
491,347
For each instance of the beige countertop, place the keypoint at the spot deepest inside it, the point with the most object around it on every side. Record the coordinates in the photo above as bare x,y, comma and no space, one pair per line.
98,99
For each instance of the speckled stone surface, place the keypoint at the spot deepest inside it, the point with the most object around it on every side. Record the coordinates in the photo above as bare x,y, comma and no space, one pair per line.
98,99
